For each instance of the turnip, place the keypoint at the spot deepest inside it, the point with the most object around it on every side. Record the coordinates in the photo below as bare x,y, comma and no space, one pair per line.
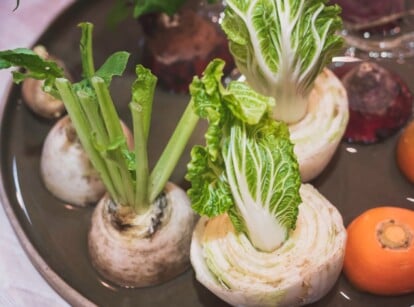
36,99
142,218
265,239
282,47
66,169
78,183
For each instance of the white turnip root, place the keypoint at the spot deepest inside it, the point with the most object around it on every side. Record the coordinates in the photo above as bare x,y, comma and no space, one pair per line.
66,169
40,102
141,231
136,251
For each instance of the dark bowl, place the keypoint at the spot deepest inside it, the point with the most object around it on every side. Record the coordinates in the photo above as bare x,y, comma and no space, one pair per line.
55,234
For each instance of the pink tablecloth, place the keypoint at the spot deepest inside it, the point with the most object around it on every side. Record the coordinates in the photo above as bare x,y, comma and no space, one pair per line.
20,283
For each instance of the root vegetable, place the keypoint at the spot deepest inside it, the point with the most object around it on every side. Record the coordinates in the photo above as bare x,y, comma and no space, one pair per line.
405,152
66,169
135,193
380,102
145,250
37,100
379,256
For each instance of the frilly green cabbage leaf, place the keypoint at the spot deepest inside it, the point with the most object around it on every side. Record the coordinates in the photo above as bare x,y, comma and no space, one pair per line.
247,167
280,46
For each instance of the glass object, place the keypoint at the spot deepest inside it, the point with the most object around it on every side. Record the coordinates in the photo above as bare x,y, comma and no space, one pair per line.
378,28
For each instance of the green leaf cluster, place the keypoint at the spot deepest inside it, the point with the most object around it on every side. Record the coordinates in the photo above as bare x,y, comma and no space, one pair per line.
247,164
93,114
282,45
35,66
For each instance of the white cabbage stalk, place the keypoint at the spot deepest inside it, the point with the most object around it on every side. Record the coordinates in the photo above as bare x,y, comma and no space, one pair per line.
281,47
318,134
299,272
142,252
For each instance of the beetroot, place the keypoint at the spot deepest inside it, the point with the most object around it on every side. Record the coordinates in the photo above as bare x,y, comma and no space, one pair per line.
179,47
357,11
380,102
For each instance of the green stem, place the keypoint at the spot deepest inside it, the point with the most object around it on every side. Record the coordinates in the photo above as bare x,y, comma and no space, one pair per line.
86,50
172,152
108,111
91,108
99,135
82,127
141,158
143,94
117,138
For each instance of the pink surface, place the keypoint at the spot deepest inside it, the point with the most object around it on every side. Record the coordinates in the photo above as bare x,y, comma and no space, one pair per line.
20,283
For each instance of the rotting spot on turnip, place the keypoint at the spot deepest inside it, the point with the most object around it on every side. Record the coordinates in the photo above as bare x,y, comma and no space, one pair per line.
117,221
71,135
156,216
161,203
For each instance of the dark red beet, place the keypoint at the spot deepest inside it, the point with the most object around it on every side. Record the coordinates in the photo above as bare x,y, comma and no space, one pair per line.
180,47
380,103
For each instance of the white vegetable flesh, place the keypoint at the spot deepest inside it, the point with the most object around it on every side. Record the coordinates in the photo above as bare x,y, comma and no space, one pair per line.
65,168
317,135
299,272
129,257
40,102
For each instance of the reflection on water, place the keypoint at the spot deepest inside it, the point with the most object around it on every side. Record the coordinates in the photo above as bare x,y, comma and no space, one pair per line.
345,295
19,197
351,150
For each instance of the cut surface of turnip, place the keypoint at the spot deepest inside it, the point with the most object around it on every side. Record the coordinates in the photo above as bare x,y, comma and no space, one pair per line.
317,135
142,250
66,169
299,272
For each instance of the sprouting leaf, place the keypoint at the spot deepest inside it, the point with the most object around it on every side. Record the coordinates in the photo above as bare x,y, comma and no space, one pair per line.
280,46
247,167
36,67
143,90
114,66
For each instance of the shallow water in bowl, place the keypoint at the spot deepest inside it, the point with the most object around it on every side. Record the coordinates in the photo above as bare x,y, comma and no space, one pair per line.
359,177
